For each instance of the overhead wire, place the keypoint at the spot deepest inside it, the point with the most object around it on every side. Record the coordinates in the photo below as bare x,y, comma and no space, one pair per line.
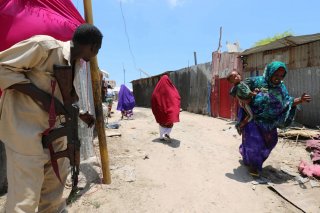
127,36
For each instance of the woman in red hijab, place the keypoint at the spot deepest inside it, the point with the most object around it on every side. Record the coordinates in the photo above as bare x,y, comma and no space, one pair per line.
165,104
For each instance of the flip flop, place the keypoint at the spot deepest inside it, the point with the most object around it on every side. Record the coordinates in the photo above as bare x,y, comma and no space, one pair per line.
254,174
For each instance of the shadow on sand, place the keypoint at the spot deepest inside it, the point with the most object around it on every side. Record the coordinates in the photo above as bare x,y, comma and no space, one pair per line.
90,176
242,175
173,143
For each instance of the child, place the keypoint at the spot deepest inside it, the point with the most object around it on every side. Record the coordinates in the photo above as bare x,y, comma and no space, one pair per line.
110,95
242,92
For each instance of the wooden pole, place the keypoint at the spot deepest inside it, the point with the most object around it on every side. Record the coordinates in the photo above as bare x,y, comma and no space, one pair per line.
218,50
96,88
124,75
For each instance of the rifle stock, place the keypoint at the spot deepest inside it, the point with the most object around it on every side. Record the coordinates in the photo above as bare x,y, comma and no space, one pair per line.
64,77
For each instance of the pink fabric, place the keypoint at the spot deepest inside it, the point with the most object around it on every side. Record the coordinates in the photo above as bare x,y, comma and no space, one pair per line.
315,156
22,19
313,144
309,170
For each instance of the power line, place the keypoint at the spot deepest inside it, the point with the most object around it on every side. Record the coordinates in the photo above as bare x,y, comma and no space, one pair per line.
127,35
129,45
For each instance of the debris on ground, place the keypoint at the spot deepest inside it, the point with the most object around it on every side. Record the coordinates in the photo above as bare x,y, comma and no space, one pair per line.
126,173
314,183
145,157
299,133
113,125
260,180
290,171
113,134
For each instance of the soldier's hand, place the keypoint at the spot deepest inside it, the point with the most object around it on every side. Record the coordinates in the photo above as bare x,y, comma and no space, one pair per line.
87,118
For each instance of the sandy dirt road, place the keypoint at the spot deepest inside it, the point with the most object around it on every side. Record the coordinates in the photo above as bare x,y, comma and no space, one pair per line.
199,171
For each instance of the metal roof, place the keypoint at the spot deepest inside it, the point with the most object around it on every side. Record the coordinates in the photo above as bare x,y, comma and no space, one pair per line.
289,41
104,73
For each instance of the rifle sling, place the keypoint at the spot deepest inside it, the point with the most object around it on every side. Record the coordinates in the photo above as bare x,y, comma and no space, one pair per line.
52,110
54,162
52,121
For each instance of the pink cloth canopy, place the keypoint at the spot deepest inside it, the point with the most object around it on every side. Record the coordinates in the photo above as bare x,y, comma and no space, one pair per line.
21,19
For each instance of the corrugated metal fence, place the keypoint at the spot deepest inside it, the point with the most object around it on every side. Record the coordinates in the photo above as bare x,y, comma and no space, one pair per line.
306,80
222,104
192,84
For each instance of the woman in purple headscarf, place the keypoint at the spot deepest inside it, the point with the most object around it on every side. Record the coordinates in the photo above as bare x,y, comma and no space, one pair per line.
126,102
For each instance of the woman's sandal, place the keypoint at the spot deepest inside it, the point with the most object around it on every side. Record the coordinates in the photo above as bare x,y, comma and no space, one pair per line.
254,172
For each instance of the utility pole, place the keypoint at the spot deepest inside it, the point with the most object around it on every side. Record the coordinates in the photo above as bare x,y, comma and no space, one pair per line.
96,88
124,75
195,58
218,50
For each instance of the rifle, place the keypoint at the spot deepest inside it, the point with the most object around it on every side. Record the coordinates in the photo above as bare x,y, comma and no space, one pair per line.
64,77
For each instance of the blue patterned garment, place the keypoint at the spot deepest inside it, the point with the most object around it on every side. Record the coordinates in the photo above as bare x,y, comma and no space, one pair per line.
272,107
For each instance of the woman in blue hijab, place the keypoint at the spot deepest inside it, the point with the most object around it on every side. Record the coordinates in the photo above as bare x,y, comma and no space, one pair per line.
272,107
126,102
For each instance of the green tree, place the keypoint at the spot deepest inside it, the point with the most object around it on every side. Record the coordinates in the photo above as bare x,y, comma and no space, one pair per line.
273,38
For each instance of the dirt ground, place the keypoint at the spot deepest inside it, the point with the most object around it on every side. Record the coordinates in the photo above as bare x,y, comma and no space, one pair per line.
199,171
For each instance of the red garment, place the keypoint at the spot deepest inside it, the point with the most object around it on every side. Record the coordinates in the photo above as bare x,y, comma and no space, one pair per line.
165,102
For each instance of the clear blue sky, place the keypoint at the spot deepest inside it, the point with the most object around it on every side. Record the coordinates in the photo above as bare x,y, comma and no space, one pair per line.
164,33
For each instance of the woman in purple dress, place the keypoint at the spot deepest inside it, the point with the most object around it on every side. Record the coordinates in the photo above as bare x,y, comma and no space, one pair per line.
272,107
126,102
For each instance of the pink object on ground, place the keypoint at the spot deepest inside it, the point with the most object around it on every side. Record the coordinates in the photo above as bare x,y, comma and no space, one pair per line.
309,170
315,156
313,144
